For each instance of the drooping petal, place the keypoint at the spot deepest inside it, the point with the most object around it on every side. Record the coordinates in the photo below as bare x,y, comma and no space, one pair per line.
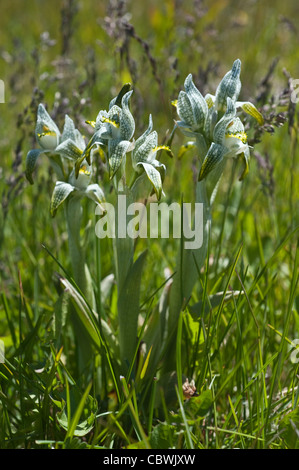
184,148
229,86
154,176
94,192
214,156
142,138
30,163
144,152
69,149
61,192
117,151
250,109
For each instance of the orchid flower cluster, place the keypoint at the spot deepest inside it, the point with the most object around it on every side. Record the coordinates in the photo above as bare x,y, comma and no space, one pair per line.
212,120
70,146
113,133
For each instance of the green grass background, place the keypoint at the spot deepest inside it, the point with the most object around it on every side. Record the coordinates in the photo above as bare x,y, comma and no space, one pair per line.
86,66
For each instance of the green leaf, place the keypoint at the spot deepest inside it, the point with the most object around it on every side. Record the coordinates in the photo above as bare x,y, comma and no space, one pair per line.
83,311
128,310
212,302
162,436
289,429
198,407
82,420
117,100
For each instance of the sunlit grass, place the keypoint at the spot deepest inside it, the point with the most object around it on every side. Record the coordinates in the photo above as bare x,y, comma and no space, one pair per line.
239,351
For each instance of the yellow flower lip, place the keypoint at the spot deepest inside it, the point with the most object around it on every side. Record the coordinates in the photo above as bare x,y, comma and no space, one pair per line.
91,123
84,170
46,132
110,121
48,138
238,135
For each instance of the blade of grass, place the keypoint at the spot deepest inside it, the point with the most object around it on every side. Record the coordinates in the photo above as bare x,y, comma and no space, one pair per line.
75,420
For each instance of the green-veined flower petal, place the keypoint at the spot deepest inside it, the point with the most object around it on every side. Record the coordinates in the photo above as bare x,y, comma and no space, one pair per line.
94,192
69,149
221,126
46,132
250,109
143,137
117,151
30,163
69,130
229,86
154,176
210,100
127,123
214,156
184,110
61,192
198,103
144,152
235,136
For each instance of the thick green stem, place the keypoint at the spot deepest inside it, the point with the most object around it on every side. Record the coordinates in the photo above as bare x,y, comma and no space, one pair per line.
73,217
128,278
189,263
81,276
76,250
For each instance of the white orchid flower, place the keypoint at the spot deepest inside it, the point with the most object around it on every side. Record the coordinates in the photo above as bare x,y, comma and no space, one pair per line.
70,144
212,120
78,186
144,158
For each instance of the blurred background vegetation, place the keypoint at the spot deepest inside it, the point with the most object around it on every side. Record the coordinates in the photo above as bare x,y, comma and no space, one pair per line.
74,56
